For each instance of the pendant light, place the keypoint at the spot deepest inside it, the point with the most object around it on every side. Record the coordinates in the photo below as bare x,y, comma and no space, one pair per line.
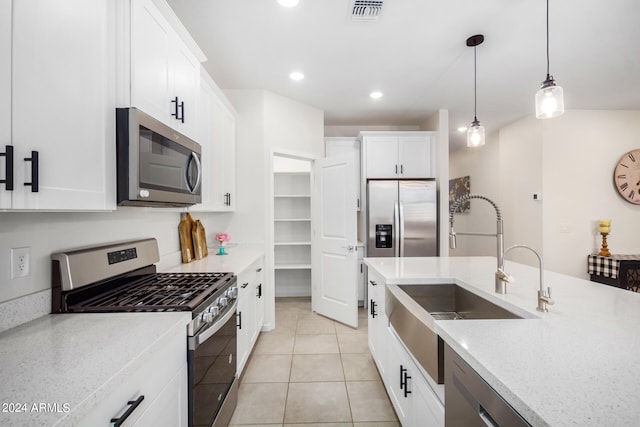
549,99
475,133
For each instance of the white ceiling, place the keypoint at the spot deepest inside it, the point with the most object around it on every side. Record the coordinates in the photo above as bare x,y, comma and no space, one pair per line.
416,55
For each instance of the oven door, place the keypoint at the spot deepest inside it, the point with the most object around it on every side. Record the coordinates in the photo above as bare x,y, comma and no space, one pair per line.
212,372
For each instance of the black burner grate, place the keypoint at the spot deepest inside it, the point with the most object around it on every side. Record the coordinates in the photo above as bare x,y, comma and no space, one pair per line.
157,292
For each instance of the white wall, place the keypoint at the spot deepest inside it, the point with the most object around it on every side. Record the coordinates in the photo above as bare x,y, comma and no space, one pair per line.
293,126
580,151
439,122
49,232
570,161
267,121
520,177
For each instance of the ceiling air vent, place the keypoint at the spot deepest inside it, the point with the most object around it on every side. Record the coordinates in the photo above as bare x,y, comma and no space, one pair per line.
366,10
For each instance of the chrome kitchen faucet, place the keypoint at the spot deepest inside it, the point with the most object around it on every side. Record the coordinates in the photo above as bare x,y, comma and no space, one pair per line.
544,297
502,278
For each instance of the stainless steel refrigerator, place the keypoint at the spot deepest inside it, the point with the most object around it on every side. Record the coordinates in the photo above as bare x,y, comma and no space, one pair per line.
402,218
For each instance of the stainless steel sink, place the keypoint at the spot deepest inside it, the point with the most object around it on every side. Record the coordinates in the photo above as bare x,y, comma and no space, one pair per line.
449,301
413,310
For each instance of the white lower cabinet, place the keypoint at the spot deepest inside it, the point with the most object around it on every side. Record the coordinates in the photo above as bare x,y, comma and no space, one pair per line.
259,297
168,409
161,380
415,402
377,322
427,408
250,311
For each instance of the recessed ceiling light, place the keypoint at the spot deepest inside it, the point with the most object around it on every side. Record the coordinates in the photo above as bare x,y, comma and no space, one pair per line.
462,129
288,3
296,75
375,95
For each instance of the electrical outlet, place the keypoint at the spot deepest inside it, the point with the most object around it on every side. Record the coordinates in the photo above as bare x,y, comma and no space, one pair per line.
20,262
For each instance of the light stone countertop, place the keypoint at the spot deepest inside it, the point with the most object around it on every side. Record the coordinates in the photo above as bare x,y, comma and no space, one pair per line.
577,365
237,260
76,359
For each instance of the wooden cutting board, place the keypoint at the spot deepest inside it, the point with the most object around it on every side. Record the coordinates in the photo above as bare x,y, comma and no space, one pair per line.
185,229
199,238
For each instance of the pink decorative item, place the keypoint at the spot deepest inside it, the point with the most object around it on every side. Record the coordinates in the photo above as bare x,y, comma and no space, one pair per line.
222,238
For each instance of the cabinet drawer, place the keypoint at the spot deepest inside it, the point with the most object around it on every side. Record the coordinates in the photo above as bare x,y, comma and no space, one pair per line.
155,369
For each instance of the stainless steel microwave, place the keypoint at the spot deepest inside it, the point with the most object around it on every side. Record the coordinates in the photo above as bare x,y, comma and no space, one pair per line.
156,166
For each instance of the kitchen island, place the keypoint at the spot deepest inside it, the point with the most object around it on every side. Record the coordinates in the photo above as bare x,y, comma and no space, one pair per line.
574,365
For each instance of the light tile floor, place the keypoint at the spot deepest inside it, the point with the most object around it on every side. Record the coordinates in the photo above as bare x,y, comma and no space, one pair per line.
312,372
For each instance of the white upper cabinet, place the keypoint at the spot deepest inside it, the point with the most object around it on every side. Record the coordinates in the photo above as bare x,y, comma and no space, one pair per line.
62,104
217,135
5,104
400,155
165,73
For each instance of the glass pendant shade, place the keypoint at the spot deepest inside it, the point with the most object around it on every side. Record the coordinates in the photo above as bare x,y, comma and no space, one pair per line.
549,100
475,134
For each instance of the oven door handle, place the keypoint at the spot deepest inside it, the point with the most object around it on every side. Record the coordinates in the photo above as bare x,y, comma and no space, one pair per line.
202,336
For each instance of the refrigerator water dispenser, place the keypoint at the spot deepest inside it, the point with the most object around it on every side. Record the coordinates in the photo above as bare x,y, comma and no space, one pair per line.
384,236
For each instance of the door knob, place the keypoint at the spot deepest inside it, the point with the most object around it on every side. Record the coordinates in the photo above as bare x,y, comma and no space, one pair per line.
350,248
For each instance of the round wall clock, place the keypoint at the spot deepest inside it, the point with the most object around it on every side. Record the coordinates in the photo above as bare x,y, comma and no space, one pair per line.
626,176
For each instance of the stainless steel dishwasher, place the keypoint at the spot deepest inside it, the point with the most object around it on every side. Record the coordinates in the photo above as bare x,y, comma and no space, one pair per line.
470,401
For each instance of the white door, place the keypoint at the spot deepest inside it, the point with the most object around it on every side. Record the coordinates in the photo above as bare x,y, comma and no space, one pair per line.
334,257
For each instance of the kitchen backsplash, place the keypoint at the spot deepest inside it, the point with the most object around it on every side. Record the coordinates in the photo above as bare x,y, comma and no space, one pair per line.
24,299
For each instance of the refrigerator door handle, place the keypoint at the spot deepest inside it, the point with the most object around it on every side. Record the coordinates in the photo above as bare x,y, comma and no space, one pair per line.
401,231
396,229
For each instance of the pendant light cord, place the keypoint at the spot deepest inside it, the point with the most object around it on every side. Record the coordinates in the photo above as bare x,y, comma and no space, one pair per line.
475,89
548,40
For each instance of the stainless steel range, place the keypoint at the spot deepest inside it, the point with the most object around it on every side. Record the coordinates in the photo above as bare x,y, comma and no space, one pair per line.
122,277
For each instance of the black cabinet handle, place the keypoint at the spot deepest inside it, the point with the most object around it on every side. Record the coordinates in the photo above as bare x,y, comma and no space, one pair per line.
244,285
396,169
175,110
8,167
404,376
35,166
372,306
117,422
179,108
259,269
407,392
259,293
373,283
239,316
227,199
401,169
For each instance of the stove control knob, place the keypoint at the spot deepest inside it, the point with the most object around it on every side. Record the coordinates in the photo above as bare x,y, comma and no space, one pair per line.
207,317
223,301
232,293
214,310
